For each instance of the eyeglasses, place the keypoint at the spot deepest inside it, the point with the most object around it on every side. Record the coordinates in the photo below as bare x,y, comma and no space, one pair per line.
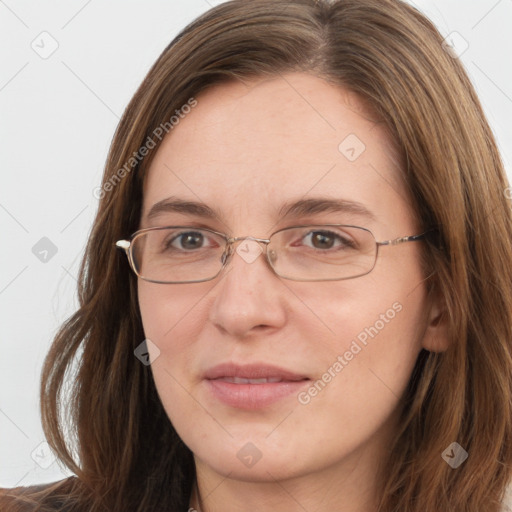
184,254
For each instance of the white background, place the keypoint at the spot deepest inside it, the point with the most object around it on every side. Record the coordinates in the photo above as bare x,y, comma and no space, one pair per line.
58,116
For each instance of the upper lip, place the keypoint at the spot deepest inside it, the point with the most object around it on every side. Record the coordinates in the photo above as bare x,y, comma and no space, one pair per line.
251,371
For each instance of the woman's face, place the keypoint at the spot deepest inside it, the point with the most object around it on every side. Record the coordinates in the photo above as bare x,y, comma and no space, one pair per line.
343,350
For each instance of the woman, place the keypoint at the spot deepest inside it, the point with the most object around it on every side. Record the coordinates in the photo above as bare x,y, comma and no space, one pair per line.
316,311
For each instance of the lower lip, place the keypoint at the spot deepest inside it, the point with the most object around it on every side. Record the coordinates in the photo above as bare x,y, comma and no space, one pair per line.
253,396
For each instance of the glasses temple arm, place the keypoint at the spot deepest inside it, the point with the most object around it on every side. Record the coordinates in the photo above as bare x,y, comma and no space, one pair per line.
411,238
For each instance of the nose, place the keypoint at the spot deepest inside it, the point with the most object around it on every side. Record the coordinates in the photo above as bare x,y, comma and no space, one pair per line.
249,296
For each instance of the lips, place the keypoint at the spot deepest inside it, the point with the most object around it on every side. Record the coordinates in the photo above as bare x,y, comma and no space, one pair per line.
252,372
241,380
252,386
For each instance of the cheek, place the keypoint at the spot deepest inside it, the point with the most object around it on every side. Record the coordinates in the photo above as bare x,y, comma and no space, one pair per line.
171,320
364,365
165,309
379,313
371,338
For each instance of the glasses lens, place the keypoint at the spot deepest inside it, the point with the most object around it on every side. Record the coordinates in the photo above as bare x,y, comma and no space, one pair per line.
177,254
327,252
310,253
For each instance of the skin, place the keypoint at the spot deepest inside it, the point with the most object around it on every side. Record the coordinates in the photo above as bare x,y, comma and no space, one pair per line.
245,149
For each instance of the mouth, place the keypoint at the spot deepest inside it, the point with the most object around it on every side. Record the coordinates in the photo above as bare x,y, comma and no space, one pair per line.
253,386
241,380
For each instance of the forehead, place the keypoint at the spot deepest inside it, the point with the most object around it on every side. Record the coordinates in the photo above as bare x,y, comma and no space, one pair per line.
247,148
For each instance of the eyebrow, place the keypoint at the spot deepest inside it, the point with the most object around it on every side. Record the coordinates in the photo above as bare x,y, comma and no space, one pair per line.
316,205
176,205
302,207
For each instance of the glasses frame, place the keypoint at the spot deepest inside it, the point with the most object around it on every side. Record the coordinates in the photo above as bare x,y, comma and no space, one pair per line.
127,245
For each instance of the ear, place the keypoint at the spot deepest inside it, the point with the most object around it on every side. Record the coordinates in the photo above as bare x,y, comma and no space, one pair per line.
435,337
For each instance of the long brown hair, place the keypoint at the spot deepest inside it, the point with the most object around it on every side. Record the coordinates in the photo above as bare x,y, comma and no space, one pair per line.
110,428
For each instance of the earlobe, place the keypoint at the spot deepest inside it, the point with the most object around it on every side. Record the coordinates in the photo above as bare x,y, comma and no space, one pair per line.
436,335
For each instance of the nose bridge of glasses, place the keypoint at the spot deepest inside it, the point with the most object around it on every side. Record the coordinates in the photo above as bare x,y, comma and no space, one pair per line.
231,241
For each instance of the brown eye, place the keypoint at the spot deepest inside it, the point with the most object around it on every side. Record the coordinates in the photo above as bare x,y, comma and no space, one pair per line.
191,240
185,241
325,240
322,240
